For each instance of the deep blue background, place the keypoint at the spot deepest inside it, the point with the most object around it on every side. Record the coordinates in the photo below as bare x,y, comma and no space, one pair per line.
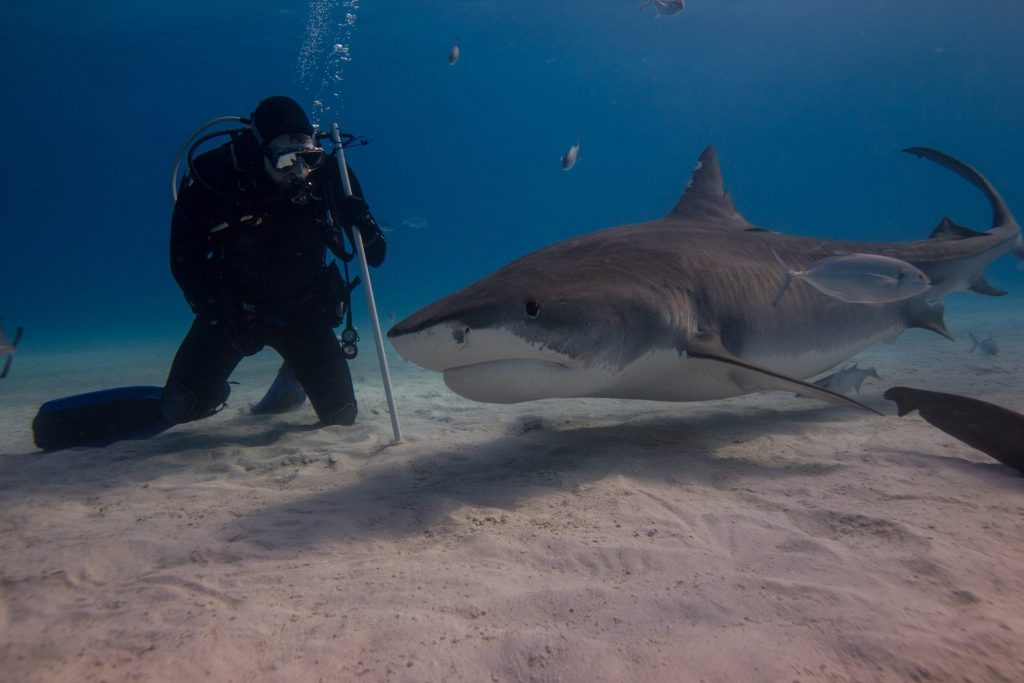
807,101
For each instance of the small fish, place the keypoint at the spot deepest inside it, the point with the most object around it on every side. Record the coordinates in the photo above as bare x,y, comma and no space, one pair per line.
988,346
847,380
569,158
666,7
453,54
415,222
385,226
992,429
8,347
859,278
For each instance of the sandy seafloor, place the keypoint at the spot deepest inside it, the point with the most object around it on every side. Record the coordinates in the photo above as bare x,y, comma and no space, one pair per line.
763,538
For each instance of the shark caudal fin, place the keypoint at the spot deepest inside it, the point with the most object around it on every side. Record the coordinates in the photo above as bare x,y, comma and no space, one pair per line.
1002,219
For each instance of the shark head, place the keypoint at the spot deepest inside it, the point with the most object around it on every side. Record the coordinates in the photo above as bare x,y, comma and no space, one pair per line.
560,322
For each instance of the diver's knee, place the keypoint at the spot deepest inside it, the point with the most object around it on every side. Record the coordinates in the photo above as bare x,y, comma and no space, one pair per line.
344,416
179,404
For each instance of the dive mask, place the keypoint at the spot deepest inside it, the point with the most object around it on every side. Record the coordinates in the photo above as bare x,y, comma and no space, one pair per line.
286,159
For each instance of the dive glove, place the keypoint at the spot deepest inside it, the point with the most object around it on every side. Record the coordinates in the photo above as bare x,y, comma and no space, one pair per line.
356,212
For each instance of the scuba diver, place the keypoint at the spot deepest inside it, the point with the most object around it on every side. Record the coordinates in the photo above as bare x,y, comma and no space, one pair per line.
250,231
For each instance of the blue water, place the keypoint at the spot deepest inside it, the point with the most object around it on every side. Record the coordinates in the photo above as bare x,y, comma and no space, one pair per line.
808,102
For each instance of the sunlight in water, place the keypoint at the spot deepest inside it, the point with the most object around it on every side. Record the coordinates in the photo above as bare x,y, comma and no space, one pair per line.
325,50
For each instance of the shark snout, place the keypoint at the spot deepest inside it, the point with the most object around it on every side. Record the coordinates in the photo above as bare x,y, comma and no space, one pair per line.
442,344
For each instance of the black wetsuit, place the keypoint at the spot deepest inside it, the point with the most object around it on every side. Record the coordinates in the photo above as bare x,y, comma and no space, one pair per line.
251,263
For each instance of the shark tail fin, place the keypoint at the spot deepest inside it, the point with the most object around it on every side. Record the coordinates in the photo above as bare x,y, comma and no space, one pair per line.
1001,216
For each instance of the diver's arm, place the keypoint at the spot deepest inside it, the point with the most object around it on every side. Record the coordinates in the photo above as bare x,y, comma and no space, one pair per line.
191,268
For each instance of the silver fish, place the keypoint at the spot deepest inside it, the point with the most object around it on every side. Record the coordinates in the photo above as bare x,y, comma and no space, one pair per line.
666,7
988,346
7,348
569,158
453,54
415,222
847,380
860,279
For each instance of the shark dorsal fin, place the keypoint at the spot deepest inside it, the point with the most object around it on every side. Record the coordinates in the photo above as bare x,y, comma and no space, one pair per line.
948,229
705,197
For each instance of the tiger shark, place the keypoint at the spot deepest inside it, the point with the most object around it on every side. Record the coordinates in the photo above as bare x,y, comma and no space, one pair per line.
680,308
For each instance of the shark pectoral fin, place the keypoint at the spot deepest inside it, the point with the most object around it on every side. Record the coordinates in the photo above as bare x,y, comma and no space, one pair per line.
903,397
750,377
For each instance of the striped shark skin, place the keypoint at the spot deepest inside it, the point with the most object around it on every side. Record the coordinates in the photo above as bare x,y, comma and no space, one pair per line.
680,308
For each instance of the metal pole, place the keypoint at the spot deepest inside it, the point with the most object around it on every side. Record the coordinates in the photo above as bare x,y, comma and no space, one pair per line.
357,238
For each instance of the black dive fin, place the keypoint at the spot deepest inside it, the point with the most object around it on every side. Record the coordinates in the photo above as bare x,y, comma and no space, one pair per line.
749,377
7,366
17,337
980,286
99,418
284,394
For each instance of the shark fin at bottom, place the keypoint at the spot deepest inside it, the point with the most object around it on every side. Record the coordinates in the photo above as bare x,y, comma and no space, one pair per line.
750,377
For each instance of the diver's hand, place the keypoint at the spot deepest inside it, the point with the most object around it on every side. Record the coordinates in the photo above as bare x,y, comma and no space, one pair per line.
353,209
356,212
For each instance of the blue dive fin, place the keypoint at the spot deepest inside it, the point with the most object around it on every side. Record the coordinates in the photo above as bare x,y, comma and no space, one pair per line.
99,418
284,395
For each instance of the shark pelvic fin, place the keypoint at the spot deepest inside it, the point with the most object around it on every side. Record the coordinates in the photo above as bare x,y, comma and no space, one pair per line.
705,197
981,286
928,315
749,377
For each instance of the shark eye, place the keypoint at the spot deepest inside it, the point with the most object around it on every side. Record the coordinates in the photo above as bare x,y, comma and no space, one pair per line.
532,309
